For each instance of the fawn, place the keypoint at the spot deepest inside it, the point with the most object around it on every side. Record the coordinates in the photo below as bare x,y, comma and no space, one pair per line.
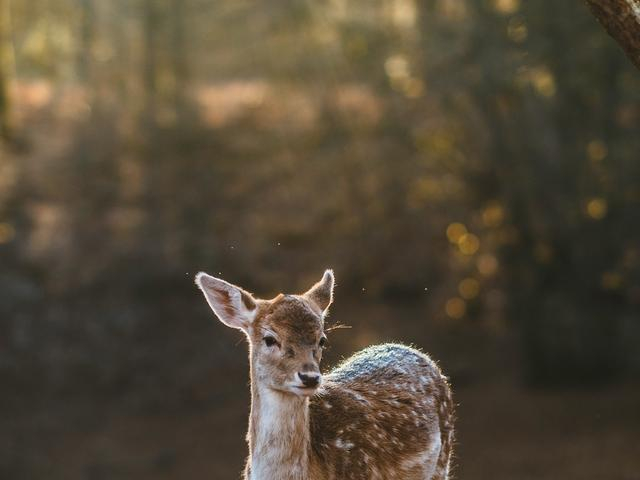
385,413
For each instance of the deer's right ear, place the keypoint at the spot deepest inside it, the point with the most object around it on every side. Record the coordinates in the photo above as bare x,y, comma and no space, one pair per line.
232,305
322,292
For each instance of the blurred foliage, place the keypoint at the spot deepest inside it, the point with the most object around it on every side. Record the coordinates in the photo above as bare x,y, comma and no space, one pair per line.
478,157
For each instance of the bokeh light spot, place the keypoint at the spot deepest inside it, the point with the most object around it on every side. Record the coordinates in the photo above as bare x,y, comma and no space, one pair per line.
596,150
7,232
543,81
455,231
493,215
597,208
455,10
506,7
397,66
413,88
517,30
487,264
455,308
469,288
422,191
469,244
404,13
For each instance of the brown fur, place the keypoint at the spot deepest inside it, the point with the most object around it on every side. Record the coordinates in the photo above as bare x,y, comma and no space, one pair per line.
385,413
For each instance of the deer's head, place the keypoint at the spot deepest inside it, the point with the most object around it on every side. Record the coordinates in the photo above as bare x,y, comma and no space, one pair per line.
286,333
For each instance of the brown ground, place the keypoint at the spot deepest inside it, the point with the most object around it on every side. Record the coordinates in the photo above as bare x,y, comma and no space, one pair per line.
504,432
184,414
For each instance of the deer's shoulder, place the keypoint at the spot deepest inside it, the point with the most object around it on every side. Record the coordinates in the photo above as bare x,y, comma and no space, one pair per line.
381,403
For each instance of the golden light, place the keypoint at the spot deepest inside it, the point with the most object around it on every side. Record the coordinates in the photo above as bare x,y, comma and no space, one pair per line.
597,208
397,66
543,81
469,288
493,215
517,30
506,7
487,264
442,143
422,191
398,70
469,244
453,9
611,280
596,150
413,88
403,13
7,232
455,231
455,308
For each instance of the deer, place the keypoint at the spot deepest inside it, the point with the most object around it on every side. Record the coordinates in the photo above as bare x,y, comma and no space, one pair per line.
385,413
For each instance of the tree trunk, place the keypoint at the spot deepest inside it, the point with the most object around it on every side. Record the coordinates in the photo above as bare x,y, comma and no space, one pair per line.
621,19
150,67
87,13
5,68
179,56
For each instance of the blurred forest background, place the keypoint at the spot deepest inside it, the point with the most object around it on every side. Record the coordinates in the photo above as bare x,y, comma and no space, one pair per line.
469,168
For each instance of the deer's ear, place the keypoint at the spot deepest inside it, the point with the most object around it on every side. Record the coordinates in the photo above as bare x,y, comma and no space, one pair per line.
232,305
322,292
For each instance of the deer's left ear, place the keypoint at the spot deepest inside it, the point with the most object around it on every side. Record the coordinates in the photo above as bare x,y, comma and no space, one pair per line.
234,307
322,292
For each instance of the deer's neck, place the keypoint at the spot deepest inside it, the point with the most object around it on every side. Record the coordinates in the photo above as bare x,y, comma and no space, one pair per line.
278,436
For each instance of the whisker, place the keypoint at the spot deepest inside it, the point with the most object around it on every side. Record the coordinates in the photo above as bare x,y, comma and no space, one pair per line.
337,326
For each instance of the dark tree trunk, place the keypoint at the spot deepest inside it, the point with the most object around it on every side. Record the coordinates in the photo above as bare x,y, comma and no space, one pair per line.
5,41
150,67
5,128
179,55
86,39
621,19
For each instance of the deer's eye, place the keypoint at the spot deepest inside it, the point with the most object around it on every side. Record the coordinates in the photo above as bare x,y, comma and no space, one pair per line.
323,342
270,341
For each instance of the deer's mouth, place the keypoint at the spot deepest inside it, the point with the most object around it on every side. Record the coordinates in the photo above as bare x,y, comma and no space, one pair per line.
304,391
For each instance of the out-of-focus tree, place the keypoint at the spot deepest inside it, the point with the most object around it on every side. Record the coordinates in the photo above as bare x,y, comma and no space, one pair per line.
476,157
179,54
5,70
86,39
542,175
151,20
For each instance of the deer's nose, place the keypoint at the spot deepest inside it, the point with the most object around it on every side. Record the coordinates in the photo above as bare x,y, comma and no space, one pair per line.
309,379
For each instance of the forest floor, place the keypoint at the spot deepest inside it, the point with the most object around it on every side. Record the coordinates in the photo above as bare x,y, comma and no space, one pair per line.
181,414
503,432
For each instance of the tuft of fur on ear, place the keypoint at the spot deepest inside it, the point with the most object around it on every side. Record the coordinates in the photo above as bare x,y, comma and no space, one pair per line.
234,307
322,292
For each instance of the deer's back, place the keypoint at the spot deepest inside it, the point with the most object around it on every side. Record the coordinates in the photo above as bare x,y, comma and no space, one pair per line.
381,414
